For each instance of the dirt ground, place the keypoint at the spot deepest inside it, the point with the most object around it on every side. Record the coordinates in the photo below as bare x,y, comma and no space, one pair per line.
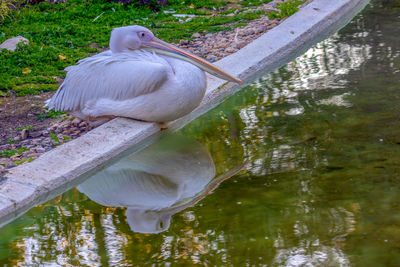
17,112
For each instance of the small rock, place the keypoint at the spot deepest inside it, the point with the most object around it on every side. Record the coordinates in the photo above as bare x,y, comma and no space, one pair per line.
196,35
83,124
76,121
35,134
261,28
39,149
15,157
249,31
208,35
24,134
183,42
240,44
230,50
11,44
76,132
211,58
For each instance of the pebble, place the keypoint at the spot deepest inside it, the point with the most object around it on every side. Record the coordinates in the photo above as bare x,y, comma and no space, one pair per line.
39,150
15,157
76,122
211,58
24,134
230,50
83,124
196,35
35,134
11,44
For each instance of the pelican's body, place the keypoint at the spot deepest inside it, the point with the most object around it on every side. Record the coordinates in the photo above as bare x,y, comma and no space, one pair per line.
140,77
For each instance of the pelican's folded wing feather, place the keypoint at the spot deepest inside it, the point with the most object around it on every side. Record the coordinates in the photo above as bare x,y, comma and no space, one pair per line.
116,77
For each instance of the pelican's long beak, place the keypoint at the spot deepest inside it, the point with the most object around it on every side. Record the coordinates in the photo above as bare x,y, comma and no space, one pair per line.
165,48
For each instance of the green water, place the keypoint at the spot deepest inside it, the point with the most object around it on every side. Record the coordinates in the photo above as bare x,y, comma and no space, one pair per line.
321,187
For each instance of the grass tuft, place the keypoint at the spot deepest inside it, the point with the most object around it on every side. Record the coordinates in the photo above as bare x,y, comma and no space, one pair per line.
286,9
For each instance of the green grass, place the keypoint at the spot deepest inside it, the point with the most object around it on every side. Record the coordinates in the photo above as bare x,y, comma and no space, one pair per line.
19,162
5,8
50,114
61,34
285,9
11,152
29,128
54,137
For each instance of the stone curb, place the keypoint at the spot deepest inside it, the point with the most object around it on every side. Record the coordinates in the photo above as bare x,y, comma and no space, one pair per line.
60,169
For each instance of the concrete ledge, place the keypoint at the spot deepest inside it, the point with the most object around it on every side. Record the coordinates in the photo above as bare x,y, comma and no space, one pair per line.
66,166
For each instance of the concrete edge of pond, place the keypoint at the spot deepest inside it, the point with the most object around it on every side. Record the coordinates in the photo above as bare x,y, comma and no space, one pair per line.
56,171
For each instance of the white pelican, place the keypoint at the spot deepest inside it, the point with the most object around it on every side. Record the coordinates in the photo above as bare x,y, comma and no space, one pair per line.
157,182
140,77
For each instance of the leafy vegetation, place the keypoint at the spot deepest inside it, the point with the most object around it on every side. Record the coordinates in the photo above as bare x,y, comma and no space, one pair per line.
286,9
11,152
5,8
20,161
50,114
29,128
54,137
60,34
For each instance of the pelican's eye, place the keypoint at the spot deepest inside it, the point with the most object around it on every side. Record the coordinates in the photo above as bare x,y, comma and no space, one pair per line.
145,36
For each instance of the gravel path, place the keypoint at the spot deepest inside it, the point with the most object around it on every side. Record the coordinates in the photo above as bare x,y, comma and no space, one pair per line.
210,46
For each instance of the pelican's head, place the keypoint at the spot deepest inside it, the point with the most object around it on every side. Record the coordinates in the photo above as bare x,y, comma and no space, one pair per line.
137,37
150,222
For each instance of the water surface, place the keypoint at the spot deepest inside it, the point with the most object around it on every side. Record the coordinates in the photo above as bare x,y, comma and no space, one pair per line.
321,188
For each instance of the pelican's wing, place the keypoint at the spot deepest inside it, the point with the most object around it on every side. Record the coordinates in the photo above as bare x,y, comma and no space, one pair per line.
116,77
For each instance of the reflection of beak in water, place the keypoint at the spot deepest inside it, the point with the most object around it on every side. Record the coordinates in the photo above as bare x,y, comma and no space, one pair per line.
157,182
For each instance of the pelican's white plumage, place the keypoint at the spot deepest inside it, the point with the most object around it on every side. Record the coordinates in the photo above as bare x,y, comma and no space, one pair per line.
140,77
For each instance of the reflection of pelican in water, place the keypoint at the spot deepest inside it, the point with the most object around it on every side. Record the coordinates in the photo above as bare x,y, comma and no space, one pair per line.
157,182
